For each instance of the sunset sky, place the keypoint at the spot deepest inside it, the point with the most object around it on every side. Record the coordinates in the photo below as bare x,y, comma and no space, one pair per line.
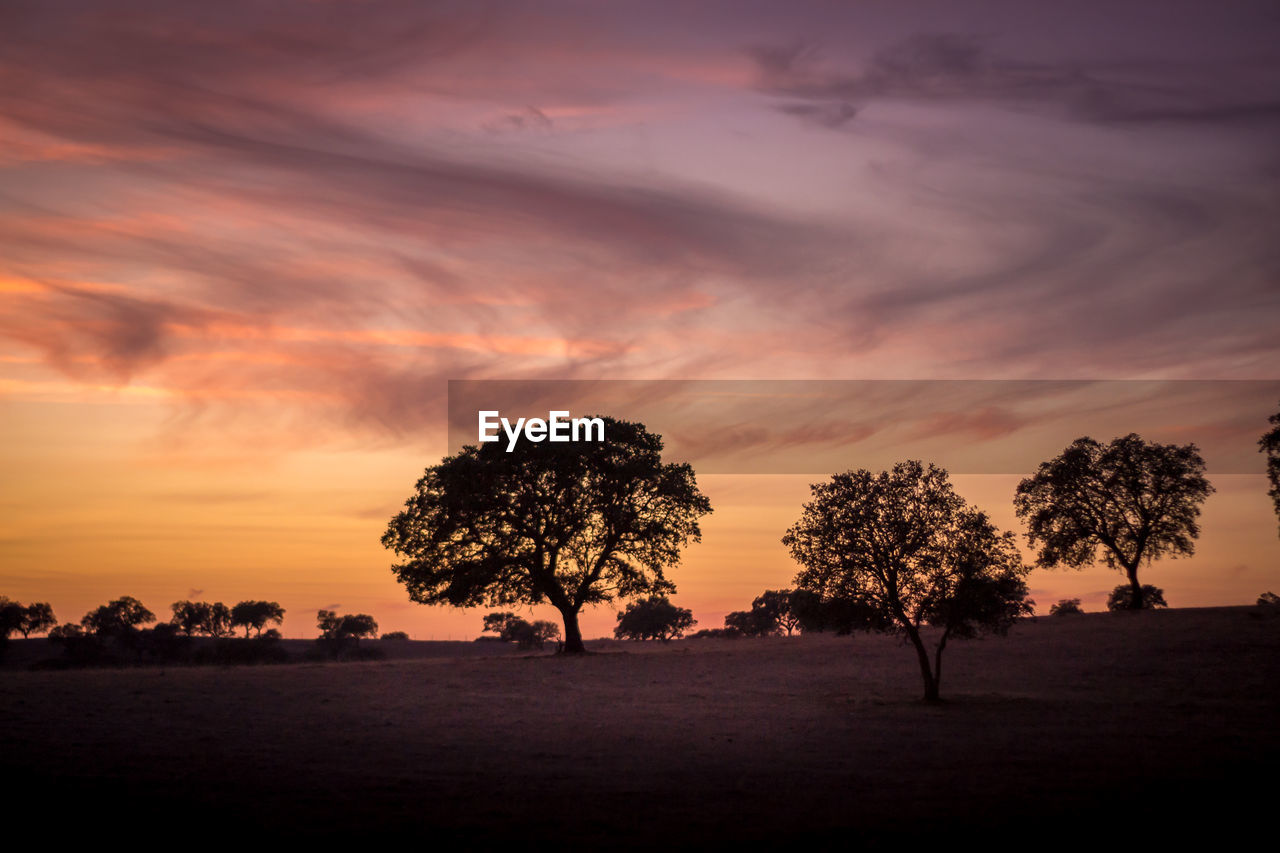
244,246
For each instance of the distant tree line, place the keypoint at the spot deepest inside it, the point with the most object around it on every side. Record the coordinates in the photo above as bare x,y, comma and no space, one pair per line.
116,633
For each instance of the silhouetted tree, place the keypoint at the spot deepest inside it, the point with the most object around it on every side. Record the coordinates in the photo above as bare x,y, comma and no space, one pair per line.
773,607
256,615
212,619
716,633
395,636
904,543
1270,445
1067,607
1121,598
340,634
118,619
39,617
1137,501
567,523
653,618
356,625
12,617
1269,599
527,635
816,613
787,618
751,623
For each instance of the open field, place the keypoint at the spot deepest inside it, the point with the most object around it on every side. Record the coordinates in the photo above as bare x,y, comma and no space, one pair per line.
1162,720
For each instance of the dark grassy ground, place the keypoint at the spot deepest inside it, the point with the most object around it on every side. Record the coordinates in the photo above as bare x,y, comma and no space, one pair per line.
1152,726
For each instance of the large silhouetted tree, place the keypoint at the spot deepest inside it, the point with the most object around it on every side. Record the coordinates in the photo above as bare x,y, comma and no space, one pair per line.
903,545
653,618
1270,445
569,523
1135,500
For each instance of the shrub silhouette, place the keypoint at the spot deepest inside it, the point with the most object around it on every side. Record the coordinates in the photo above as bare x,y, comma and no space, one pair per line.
653,618
340,635
527,635
1121,598
1066,607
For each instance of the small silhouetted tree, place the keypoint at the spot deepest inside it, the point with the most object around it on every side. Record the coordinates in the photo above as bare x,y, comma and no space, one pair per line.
256,615
212,619
12,617
527,635
751,623
395,636
117,619
1270,445
341,634
1269,599
653,618
351,625
1067,607
904,544
815,613
774,607
1134,500
569,523
39,618
1121,598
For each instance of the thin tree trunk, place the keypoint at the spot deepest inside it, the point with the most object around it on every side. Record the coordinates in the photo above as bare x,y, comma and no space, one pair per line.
572,635
930,682
937,663
1135,589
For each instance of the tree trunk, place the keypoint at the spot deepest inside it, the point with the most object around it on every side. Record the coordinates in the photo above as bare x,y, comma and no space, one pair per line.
572,635
930,682
1135,589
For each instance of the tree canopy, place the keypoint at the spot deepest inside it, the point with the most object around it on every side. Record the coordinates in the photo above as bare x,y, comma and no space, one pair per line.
1134,500
653,618
571,524
351,626
256,615
212,619
24,619
117,618
903,545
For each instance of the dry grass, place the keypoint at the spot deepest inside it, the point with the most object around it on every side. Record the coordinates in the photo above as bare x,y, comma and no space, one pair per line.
1158,719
